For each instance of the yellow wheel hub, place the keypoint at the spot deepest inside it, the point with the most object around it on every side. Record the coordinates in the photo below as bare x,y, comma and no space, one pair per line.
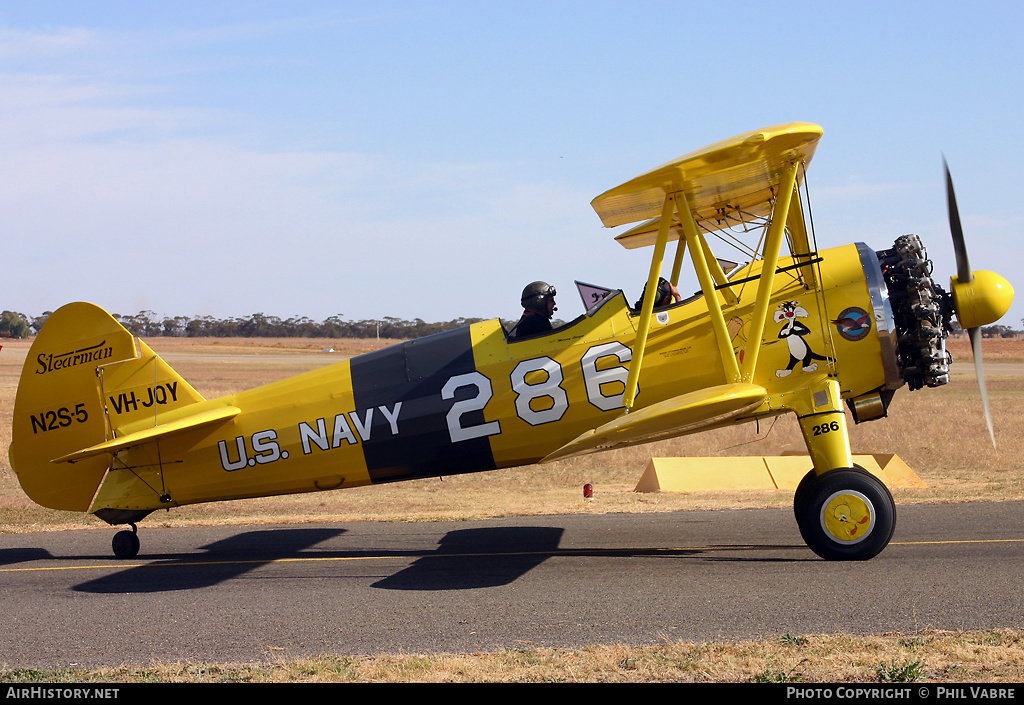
847,516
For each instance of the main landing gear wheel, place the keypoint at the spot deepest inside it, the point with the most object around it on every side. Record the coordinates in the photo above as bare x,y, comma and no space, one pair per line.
844,515
126,543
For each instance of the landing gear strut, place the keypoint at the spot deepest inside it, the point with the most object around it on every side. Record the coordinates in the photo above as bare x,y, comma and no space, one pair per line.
845,515
126,543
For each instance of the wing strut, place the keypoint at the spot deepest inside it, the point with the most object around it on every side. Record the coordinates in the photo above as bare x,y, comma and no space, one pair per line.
717,273
650,291
801,245
677,265
769,261
676,205
696,245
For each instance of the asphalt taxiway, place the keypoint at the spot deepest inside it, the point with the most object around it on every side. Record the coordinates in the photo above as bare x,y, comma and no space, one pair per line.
264,593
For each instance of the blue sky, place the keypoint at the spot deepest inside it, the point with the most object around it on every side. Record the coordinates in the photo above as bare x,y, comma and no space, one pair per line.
428,159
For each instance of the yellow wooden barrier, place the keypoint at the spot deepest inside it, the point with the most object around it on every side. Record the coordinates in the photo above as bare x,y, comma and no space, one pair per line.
779,472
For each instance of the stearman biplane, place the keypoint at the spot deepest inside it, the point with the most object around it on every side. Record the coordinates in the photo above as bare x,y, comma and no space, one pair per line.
103,425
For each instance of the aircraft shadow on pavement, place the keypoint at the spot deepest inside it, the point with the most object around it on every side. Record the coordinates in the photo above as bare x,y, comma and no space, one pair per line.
223,561
10,556
478,558
490,557
465,559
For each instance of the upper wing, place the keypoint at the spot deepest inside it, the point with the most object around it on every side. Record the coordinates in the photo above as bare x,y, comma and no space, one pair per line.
739,175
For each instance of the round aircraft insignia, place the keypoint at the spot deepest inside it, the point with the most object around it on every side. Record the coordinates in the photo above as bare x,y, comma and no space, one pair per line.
853,323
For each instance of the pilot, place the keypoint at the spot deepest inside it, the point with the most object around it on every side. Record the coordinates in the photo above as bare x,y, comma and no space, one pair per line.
538,306
667,294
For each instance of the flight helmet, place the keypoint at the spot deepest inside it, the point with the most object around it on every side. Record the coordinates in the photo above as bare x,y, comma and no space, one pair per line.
664,292
536,295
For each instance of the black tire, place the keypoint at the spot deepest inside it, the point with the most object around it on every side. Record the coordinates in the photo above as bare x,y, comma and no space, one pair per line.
845,515
801,490
125,544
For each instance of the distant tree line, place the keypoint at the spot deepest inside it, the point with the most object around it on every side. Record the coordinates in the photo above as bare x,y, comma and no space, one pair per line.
258,325
998,331
15,325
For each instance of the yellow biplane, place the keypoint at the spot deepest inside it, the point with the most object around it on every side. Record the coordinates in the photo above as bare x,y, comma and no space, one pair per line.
103,425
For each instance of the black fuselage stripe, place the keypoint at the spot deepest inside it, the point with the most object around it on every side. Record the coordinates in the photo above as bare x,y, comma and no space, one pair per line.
414,373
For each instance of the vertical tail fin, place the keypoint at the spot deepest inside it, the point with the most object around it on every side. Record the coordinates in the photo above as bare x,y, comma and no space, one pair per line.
86,380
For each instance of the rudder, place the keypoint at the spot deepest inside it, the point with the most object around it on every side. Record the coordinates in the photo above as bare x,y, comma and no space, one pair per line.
86,380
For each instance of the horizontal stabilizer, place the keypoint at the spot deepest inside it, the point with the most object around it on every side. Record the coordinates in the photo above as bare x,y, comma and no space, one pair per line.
673,417
151,434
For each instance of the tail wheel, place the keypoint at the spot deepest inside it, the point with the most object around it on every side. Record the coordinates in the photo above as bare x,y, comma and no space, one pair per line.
845,515
126,543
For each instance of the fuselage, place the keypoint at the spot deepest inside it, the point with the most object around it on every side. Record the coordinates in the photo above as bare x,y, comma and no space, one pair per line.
471,399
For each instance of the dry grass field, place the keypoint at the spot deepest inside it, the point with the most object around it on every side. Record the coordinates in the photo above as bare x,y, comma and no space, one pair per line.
940,433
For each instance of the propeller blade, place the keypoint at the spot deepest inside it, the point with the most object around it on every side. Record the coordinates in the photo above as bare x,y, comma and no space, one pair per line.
965,276
979,371
963,265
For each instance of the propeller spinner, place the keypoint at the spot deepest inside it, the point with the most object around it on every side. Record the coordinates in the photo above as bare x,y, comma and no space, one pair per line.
979,298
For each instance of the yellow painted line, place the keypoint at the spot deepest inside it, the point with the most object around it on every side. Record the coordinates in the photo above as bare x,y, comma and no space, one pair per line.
415,555
632,552
174,564
950,541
